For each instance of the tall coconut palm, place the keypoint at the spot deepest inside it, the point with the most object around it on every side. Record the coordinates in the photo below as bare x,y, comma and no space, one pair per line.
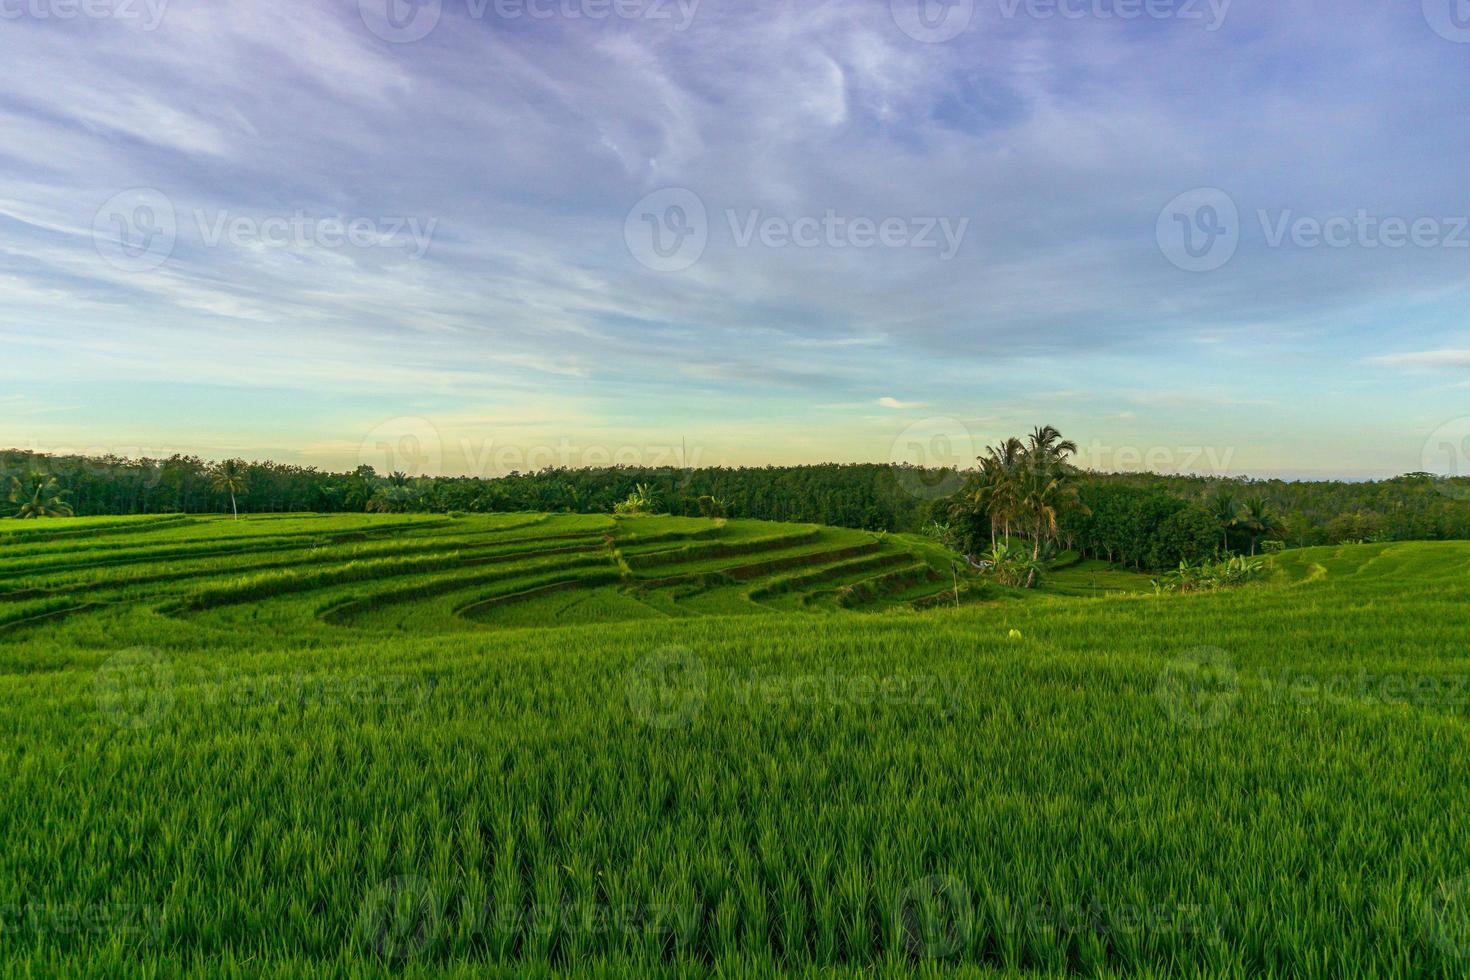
1226,511
229,476
38,496
1047,443
1260,522
997,483
985,492
1028,484
1045,488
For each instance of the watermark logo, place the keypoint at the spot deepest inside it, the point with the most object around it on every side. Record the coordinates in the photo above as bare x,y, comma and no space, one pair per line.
667,231
932,21
401,21
484,458
407,444
1199,230
135,230
299,690
138,229
134,688
1447,917
1200,460
679,12
1450,19
667,688
1447,454
133,923
833,689
149,13
407,21
1181,10
934,918
1198,688
400,917
301,231
1363,229
1097,918
837,231
1362,687
930,456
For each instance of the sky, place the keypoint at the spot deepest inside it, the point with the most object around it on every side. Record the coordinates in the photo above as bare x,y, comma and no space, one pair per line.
470,236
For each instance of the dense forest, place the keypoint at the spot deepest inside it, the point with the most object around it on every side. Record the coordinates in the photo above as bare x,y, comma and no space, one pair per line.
1141,519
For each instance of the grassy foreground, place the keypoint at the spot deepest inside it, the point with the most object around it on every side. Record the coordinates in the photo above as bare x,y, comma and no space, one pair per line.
412,745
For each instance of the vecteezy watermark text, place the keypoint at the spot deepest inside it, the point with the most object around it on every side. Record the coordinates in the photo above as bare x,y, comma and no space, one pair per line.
402,917
1365,687
1201,230
125,919
147,13
935,918
836,231
407,21
1209,460
1210,13
1363,229
669,230
839,689
139,687
300,230
938,21
671,686
137,230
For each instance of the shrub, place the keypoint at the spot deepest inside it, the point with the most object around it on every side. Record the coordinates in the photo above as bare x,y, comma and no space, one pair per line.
1208,576
643,500
1013,566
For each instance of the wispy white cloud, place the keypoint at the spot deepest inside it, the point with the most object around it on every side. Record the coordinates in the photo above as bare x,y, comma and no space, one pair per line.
1427,359
528,145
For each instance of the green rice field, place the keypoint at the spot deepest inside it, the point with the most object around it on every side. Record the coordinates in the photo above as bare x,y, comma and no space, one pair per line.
528,744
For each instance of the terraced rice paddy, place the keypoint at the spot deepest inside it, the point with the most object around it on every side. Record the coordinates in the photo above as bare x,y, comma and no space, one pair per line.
533,743
437,574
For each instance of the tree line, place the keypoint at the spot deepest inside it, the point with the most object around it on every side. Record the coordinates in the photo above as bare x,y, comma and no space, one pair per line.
1145,520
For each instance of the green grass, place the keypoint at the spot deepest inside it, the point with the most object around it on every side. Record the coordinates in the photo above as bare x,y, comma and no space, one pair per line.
220,774
1094,578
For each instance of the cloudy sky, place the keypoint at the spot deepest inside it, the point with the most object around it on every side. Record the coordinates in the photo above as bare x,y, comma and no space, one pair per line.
1219,236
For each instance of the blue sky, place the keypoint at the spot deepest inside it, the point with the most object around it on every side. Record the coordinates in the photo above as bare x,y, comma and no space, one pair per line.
310,231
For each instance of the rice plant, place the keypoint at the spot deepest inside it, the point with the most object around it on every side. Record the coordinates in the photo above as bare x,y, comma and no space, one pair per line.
382,756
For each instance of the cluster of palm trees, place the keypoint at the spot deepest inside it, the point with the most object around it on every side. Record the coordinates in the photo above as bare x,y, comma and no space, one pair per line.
38,496
1022,486
1252,518
397,494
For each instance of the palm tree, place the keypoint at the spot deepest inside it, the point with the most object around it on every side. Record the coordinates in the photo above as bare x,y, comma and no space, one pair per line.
38,496
996,486
229,476
1045,489
395,497
1226,511
361,486
1259,522
1030,484
1047,442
